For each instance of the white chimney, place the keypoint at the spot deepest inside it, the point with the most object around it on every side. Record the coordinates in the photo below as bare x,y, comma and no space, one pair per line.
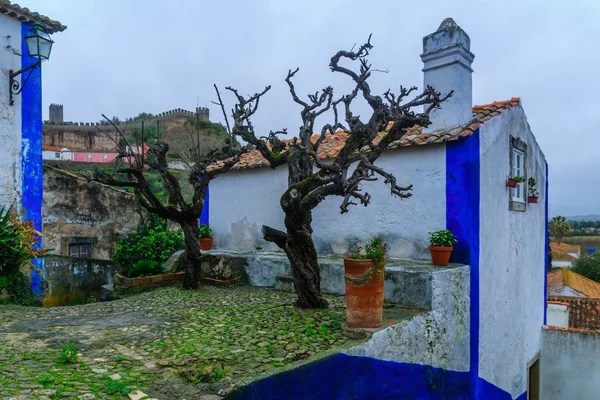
447,66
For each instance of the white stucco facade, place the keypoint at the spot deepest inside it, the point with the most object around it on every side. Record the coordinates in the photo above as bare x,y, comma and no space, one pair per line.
242,201
557,315
512,257
10,116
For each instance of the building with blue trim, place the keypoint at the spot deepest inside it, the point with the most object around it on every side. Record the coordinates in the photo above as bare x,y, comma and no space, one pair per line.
21,122
459,168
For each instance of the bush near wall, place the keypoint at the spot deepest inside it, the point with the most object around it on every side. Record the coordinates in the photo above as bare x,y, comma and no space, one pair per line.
18,239
145,251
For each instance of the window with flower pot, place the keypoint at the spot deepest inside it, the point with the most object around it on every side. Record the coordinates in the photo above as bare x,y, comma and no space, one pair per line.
518,157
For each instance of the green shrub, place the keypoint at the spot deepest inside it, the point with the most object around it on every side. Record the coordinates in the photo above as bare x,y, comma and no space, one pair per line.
146,268
444,238
588,266
152,242
18,241
205,231
15,289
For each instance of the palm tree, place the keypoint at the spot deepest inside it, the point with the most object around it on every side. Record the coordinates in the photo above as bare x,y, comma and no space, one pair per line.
558,227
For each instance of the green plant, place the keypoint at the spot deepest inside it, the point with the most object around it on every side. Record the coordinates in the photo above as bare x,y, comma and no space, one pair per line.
146,268
374,250
68,353
443,238
205,231
19,242
116,387
153,242
519,178
589,266
46,381
16,289
532,187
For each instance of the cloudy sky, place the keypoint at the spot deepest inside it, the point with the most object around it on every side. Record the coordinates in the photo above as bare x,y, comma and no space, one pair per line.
123,57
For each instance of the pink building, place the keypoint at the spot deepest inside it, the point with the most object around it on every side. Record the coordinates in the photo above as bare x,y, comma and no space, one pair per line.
101,157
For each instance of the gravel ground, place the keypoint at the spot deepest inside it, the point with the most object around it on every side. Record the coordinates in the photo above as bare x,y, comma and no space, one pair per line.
166,344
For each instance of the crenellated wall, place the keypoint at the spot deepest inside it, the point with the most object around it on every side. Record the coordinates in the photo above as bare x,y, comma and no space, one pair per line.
85,136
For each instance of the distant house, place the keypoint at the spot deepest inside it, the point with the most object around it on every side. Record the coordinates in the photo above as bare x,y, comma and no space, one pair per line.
577,293
102,157
56,153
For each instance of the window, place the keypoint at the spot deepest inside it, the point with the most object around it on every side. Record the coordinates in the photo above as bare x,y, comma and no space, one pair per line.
57,155
81,250
89,156
105,156
518,167
518,193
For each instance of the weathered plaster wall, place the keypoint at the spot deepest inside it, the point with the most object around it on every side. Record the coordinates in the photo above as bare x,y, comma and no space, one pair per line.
569,365
69,279
439,338
10,116
243,201
77,211
512,258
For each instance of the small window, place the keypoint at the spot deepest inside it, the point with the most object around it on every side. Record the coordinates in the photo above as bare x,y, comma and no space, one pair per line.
57,155
106,156
89,156
81,250
518,193
518,167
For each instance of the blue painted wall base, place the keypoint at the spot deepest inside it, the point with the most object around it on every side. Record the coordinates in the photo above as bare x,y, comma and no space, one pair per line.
342,377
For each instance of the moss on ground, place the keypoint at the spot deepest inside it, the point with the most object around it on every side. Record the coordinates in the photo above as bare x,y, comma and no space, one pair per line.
168,343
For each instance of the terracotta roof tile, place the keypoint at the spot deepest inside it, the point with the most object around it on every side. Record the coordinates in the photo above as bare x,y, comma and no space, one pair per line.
559,278
25,15
51,148
415,136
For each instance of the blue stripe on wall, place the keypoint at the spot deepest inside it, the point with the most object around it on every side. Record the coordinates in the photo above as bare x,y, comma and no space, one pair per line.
31,146
462,218
206,209
546,247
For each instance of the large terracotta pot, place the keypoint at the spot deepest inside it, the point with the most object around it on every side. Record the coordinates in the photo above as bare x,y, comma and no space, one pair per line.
440,255
206,243
364,304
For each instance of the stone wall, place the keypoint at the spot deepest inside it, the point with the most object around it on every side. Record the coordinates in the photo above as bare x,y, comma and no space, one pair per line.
569,364
75,211
84,136
68,280
584,313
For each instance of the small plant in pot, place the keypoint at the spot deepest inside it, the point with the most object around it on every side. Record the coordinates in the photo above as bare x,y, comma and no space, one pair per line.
206,237
364,278
533,193
514,181
440,246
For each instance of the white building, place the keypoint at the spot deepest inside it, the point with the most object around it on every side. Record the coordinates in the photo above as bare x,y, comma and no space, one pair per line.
52,153
458,168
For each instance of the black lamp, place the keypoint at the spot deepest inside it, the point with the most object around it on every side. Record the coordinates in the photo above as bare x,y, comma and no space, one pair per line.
39,45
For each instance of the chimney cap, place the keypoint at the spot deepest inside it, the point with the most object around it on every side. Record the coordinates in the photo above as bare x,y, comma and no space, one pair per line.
447,25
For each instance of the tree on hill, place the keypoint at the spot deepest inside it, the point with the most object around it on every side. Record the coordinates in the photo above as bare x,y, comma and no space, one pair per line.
558,227
310,180
135,171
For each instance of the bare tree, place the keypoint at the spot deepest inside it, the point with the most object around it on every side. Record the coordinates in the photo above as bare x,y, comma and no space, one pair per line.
136,162
310,180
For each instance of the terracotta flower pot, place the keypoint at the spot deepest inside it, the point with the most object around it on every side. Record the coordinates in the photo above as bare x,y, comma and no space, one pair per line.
533,199
511,182
440,255
206,243
364,303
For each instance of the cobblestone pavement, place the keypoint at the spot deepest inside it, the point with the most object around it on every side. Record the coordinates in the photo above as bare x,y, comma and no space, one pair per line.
166,344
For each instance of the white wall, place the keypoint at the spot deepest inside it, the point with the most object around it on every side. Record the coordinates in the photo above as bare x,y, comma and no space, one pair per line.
242,201
569,365
512,257
557,315
10,116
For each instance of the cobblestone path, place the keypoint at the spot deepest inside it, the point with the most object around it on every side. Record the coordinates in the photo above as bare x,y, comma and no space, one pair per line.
166,344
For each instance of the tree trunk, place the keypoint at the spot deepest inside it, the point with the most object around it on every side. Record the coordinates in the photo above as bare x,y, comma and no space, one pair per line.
302,254
193,255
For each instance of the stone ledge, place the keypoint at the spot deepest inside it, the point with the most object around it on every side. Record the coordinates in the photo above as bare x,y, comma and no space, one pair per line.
124,285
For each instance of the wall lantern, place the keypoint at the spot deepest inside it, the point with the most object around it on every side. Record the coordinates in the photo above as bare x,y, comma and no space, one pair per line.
39,45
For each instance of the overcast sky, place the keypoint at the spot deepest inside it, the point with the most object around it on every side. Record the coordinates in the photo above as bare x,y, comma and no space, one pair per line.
123,57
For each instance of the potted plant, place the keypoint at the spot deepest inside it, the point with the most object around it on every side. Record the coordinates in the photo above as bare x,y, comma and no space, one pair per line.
441,245
533,193
206,237
364,277
513,181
